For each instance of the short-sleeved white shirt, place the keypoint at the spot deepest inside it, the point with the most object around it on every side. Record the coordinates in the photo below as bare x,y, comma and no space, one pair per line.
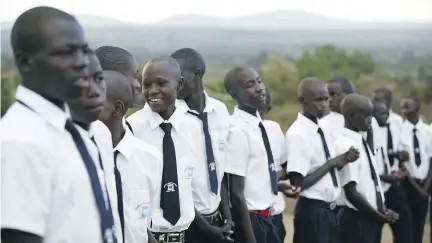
140,166
205,200
358,171
46,189
247,157
185,132
424,135
306,154
277,144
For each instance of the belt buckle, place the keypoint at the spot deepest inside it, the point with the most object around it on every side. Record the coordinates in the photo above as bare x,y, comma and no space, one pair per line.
333,205
161,238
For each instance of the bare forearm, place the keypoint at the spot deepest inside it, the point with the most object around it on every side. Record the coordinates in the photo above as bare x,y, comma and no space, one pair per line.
224,207
358,201
428,177
243,226
14,236
312,178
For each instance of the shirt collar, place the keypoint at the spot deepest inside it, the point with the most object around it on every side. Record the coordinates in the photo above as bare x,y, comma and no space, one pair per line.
411,126
209,104
155,119
307,122
124,146
248,118
43,108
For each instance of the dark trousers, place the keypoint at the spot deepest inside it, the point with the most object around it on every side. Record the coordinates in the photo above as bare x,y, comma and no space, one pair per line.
402,229
278,222
195,235
264,229
315,222
357,227
419,207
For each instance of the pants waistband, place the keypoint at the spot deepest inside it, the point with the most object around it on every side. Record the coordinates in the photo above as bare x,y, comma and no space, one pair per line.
265,212
330,206
169,237
213,218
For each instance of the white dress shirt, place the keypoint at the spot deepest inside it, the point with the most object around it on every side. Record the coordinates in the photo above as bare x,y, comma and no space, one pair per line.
187,138
306,154
247,157
424,136
205,201
140,166
359,170
52,196
278,146
395,119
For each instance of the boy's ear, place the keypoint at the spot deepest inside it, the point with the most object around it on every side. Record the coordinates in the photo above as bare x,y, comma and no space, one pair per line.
180,84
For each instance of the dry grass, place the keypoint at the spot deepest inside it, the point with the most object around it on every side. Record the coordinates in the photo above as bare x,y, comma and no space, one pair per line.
386,236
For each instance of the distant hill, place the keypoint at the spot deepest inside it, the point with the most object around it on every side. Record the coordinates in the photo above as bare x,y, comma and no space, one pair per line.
285,32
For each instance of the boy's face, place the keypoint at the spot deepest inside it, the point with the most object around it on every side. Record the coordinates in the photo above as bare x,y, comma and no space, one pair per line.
160,86
362,120
380,97
315,101
380,112
89,105
250,90
409,108
132,75
336,96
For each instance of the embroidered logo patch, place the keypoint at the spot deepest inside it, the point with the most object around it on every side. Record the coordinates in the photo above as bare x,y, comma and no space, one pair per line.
221,145
142,210
189,171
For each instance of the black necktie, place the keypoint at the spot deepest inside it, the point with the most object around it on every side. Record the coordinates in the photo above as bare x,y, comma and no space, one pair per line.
101,197
379,200
129,126
386,170
390,151
119,188
327,154
271,165
211,165
416,148
170,201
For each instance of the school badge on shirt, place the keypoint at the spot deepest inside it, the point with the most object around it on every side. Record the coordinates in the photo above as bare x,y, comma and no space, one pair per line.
142,210
189,171
221,145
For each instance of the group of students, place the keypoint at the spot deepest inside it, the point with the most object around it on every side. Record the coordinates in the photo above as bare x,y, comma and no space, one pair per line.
182,169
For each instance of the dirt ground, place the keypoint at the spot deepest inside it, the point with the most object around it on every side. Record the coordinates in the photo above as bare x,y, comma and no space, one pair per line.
386,236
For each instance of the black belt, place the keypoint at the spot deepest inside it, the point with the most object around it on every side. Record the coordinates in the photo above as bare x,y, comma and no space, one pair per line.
307,201
214,218
169,237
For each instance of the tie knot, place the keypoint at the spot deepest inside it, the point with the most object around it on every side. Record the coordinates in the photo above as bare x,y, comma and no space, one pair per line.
414,130
320,131
166,127
260,125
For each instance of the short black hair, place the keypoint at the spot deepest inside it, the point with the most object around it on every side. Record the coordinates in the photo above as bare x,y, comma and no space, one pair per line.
190,60
305,85
346,85
386,92
118,88
231,79
26,31
354,102
174,66
415,99
114,58
377,104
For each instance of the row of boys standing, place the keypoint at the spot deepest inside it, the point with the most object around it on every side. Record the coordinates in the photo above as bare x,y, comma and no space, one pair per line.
383,178
74,170
181,168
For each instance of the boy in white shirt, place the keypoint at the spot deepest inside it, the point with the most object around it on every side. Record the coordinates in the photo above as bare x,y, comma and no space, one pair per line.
117,59
277,143
138,165
212,217
363,197
385,96
62,181
178,137
313,166
417,139
387,137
